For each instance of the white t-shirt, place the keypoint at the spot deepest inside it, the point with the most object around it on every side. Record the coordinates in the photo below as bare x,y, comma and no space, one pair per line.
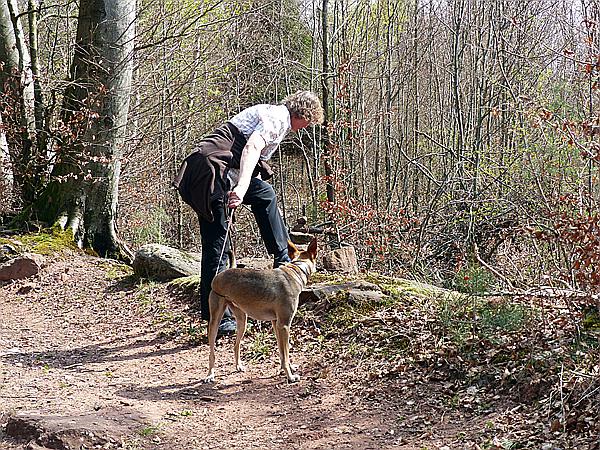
272,122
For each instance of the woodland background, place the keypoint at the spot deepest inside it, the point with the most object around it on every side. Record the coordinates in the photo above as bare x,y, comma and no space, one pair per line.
461,142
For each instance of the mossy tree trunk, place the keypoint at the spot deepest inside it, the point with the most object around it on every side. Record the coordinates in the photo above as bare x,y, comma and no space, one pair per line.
82,194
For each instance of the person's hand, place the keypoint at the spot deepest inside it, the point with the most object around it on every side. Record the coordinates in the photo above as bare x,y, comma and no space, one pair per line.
234,200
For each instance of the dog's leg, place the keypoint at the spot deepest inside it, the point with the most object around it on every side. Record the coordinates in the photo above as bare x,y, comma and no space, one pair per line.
217,305
293,367
241,319
282,332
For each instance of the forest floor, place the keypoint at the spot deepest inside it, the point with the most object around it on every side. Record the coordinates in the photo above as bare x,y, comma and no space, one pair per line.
86,346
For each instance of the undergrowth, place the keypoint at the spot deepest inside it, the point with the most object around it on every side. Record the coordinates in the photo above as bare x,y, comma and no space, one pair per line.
533,351
539,353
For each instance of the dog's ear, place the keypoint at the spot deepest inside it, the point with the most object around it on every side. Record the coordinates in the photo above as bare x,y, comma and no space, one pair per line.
312,248
293,251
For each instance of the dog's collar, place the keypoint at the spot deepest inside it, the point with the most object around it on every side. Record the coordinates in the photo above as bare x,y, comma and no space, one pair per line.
302,269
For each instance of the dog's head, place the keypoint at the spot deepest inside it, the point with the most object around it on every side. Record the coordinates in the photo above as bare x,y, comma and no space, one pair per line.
308,256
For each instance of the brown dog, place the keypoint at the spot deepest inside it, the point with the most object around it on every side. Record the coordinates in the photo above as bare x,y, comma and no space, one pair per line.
263,295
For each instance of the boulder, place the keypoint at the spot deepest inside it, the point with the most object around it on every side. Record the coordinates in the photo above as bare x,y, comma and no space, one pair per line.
106,429
24,266
300,238
161,262
357,292
341,260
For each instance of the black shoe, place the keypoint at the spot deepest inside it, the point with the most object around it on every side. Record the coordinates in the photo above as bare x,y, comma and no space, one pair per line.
281,261
227,327
281,258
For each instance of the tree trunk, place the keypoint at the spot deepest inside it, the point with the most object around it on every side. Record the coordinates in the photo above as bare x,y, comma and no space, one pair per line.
18,102
6,179
325,94
82,194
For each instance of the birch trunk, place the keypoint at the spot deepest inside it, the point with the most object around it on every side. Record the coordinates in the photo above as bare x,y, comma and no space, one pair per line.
17,88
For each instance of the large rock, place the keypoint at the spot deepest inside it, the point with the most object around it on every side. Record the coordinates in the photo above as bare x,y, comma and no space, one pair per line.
341,260
24,266
105,429
357,292
160,262
300,238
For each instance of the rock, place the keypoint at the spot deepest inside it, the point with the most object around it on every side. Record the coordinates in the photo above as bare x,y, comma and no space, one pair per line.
22,429
26,288
70,432
160,262
357,291
341,260
7,252
300,238
21,267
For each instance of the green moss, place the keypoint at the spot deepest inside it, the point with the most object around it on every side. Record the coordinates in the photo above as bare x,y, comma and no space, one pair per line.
591,319
116,271
185,289
342,312
187,284
5,241
45,242
91,252
402,288
331,278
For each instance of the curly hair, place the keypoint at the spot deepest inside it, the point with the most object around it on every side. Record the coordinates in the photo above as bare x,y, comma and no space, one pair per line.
305,105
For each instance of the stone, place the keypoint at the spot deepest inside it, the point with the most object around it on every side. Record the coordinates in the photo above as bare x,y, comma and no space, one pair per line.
21,267
357,291
341,260
26,288
7,252
91,430
161,262
300,238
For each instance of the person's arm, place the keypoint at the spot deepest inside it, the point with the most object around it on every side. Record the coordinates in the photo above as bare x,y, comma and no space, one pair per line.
248,161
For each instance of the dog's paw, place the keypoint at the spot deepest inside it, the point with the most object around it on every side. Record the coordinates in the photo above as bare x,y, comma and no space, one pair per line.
240,368
210,378
293,378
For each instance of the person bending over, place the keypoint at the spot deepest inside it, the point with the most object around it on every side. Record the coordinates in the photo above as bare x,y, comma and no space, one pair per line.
227,168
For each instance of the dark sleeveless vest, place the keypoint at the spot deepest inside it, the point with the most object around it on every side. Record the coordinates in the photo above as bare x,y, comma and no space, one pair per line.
202,177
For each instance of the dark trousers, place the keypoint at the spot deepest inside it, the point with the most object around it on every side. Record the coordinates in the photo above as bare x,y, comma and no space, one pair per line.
263,203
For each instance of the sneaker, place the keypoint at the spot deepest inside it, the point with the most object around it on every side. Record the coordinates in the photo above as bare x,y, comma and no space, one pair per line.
227,327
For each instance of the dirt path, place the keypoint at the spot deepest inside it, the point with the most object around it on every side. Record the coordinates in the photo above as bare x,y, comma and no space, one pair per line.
95,359
92,358
78,343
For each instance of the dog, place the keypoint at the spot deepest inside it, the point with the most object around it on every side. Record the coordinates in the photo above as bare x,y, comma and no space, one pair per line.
268,294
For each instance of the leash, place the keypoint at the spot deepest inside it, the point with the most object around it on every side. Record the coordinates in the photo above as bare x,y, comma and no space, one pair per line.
229,213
